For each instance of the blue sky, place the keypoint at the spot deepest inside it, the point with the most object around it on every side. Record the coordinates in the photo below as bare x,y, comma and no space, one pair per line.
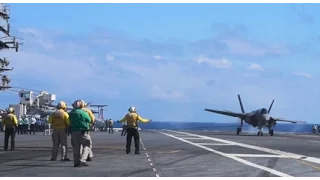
171,60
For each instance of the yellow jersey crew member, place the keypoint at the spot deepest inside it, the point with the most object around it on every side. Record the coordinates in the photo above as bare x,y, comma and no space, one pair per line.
132,119
10,122
80,125
90,156
59,121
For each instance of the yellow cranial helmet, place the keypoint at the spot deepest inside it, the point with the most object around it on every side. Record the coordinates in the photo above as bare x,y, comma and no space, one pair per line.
78,104
10,110
62,105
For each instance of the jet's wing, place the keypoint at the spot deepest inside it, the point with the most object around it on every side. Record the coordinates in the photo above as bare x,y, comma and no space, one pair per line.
228,113
289,121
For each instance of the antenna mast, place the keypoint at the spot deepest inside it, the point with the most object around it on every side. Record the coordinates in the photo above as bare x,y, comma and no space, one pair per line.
6,42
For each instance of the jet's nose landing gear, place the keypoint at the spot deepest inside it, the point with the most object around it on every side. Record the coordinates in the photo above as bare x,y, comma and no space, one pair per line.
260,132
238,130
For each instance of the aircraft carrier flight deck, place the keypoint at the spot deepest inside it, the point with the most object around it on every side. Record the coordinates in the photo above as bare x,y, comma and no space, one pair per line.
166,153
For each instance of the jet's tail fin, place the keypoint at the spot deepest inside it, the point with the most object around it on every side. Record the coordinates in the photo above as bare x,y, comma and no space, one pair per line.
242,109
270,106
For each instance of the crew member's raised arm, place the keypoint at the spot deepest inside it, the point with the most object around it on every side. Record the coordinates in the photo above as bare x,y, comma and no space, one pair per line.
91,116
142,119
124,119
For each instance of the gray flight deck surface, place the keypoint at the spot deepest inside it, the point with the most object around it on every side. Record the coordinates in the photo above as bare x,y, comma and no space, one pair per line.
171,153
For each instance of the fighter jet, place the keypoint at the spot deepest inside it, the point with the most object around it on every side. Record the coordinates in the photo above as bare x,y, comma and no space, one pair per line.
259,118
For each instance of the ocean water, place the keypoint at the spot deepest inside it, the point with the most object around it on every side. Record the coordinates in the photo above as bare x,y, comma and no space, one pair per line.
280,127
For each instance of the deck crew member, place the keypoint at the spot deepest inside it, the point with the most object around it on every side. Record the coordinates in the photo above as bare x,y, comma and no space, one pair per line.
90,156
25,124
46,127
106,125
314,129
20,125
32,125
59,121
80,125
38,125
110,123
124,129
132,119
11,124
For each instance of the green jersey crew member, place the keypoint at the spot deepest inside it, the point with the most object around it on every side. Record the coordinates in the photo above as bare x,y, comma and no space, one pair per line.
10,122
132,119
80,124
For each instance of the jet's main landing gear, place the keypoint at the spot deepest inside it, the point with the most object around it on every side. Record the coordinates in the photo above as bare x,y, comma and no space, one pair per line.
271,132
240,128
238,131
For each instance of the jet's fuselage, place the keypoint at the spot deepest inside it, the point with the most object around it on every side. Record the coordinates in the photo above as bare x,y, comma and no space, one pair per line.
258,118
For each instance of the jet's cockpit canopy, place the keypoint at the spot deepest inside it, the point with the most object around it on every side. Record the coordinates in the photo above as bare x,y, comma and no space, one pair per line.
263,111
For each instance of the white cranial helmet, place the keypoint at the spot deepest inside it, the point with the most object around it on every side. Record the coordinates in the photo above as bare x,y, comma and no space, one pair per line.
132,109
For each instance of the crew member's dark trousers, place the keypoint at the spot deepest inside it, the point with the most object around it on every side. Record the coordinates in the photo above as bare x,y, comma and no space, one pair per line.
124,130
42,128
25,129
111,129
37,128
20,129
68,130
9,132
132,132
32,129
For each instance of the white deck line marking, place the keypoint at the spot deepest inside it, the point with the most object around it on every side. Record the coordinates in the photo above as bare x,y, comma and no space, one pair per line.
214,144
314,141
259,155
272,151
278,173
308,135
281,137
194,138
186,136
150,162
